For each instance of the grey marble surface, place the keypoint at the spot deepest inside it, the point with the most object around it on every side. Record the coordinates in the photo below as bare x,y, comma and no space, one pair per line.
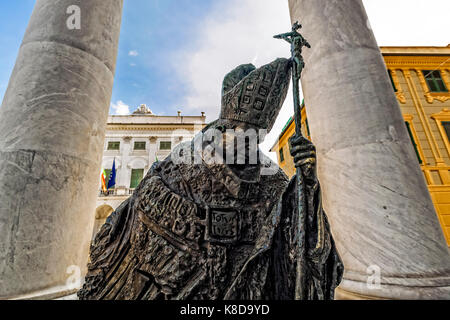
52,126
374,192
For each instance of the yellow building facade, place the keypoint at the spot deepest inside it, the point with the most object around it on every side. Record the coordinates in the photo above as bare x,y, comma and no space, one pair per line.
420,77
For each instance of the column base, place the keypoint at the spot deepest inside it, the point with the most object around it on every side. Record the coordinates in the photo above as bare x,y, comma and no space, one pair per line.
341,294
419,288
55,293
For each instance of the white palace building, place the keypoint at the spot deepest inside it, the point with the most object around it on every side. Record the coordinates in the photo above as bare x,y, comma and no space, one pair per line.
136,141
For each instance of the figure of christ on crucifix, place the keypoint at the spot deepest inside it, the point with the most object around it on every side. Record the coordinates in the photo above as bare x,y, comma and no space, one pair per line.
297,43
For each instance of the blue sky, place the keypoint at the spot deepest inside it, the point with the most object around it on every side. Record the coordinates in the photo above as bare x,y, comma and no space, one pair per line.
150,30
173,54
14,16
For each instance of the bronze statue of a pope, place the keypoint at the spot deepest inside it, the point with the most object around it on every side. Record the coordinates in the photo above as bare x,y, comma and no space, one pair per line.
217,219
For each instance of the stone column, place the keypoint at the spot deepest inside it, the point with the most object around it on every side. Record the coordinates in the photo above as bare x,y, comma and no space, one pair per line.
374,192
52,127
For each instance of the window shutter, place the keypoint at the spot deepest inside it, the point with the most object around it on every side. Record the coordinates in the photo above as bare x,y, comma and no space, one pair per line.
165,145
139,145
392,81
114,145
136,177
413,142
434,81
281,155
446,125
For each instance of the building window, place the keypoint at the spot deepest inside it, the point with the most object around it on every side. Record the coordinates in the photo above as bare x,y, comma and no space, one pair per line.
392,81
413,142
446,125
113,145
136,177
434,80
165,145
281,155
139,145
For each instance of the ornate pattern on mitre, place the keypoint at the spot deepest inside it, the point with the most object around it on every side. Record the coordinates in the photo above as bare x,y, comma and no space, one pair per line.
258,97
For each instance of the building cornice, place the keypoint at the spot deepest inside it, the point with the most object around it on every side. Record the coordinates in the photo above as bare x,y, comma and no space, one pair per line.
152,127
414,62
416,51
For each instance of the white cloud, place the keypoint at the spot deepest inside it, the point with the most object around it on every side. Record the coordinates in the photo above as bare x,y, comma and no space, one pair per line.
409,22
120,108
133,53
234,33
240,31
132,64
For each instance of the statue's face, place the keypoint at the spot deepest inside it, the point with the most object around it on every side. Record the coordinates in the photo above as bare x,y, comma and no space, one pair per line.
241,141
231,142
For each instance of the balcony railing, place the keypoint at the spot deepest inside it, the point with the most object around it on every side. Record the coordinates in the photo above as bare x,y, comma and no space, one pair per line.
110,192
116,192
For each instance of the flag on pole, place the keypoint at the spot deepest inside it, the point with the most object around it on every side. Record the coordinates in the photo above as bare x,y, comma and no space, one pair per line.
103,178
112,176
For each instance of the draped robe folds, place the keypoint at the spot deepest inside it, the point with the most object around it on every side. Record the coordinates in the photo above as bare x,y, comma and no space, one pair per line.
197,231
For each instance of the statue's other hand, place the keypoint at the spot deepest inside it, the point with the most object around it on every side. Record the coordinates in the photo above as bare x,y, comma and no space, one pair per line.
304,153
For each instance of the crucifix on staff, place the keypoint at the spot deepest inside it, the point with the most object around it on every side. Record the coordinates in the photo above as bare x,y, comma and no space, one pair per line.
304,158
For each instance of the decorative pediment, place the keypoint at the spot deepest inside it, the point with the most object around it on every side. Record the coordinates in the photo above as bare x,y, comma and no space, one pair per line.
444,115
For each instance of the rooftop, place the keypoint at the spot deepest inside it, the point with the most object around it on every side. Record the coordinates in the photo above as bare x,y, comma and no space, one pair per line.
143,115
